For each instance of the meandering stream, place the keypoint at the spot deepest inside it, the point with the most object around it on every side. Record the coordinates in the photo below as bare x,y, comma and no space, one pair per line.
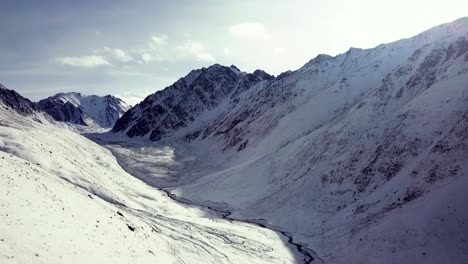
307,255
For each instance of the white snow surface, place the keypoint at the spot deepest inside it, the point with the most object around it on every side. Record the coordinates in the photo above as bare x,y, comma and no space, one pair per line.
65,199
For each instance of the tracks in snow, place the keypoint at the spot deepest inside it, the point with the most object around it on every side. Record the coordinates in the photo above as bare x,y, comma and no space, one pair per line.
308,255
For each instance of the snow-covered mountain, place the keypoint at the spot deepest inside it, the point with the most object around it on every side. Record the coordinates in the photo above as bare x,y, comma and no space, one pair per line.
186,100
362,156
356,158
85,110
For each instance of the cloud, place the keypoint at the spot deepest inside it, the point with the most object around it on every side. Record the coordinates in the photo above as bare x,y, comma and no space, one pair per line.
156,49
90,61
160,40
252,30
195,50
146,57
150,56
115,54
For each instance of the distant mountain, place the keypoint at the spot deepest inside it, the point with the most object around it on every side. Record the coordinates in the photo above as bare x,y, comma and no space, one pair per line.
185,101
85,110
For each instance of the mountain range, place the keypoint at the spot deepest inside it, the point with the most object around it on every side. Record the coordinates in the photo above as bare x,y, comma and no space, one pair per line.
355,158
332,152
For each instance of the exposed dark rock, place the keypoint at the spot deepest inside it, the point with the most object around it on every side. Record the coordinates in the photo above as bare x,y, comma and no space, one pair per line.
180,104
103,111
243,145
16,102
62,111
131,228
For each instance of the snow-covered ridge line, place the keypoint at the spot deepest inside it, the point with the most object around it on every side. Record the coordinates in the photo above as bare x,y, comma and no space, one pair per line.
85,110
214,108
189,98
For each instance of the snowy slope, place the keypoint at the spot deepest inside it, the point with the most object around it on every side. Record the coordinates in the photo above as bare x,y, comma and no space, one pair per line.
64,199
362,156
86,110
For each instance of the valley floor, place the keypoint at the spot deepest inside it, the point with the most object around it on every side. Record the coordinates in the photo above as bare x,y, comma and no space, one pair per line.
430,228
168,167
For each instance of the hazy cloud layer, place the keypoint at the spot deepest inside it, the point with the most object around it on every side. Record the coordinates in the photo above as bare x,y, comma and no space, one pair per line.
86,61
157,50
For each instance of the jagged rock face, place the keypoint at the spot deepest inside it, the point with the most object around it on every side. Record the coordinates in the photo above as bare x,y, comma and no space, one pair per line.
114,109
83,110
62,111
15,101
180,104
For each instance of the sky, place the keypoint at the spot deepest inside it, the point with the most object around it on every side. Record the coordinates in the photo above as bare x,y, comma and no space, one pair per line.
133,48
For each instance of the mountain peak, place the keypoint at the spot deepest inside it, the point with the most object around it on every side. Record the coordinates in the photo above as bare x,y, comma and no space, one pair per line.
262,75
352,50
217,67
68,94
179,104
319,59
87,110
